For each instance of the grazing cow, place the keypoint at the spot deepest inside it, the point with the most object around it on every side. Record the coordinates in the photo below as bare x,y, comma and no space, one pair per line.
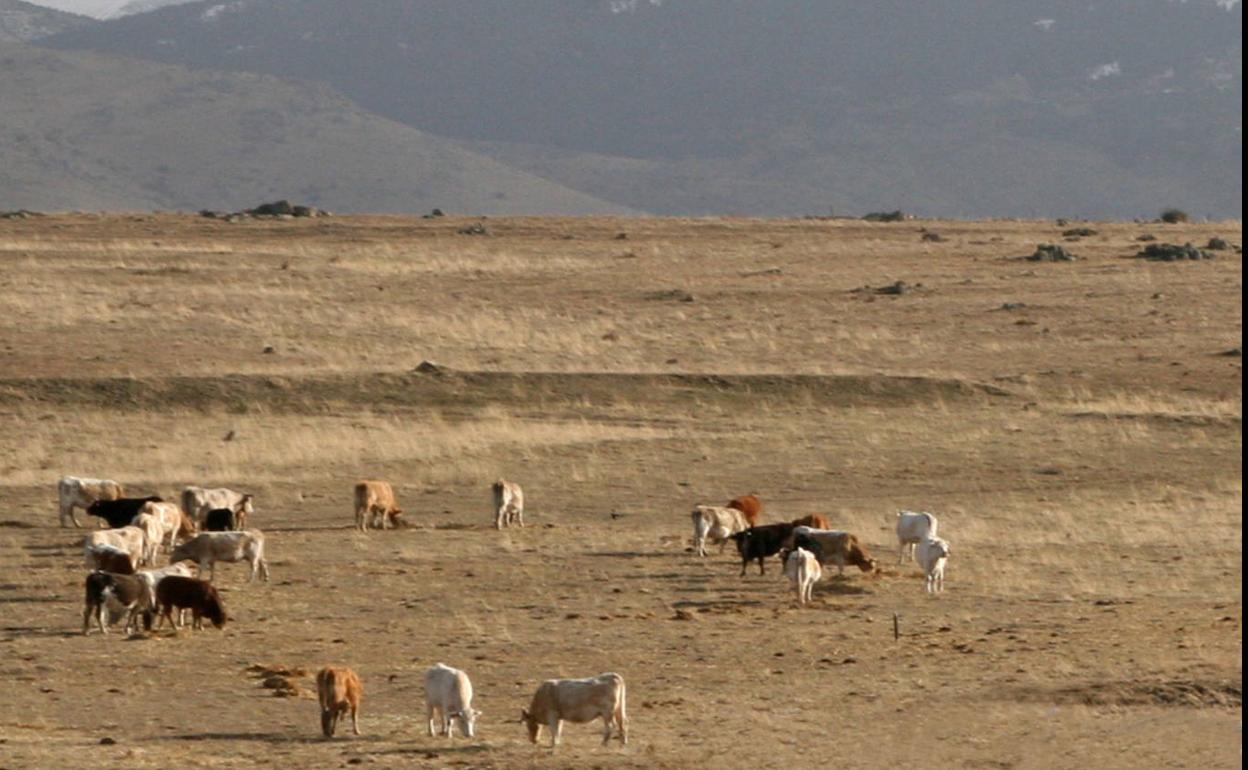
448,692
760,542
833,546
199,596
339,690
153,533
197,501
710,522
186,527
130,540
74,492
577,700
508,504
931,554
108,558
220,520
803,571
373,499
120,512
750,506
170,517
108,588
151,578
814,521
208,548
912,527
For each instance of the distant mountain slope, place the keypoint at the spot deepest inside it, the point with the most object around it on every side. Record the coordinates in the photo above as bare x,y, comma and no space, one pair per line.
85,131
107,9
951,107
25,21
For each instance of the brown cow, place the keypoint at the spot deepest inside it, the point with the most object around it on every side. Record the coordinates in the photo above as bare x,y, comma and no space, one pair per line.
373,499
814,521
175,591
750,506
338,689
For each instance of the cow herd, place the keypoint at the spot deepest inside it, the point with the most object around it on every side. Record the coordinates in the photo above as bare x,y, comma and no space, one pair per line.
209,525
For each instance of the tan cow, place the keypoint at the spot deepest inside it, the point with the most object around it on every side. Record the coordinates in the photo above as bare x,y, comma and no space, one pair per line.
339,690
508,504
208,548
577,700
152,535
170,518
74,492
375,499
197,501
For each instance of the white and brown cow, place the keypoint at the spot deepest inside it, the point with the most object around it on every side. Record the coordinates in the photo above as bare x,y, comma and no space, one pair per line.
197,501
508,504
76,492
130,540
711,522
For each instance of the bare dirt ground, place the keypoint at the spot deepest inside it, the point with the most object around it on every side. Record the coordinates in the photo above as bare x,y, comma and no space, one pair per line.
1075,426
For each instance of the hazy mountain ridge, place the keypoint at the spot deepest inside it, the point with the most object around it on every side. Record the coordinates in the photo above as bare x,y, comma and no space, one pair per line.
776,107
20,21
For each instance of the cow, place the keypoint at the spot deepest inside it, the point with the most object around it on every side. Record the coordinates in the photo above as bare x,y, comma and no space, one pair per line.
931,554
338,689
814,521
803,571
197,501
130,540
833,546
208,548
220,520
577,700
120,512
74,492
448,693
508,504
912,527
373,499
109,558
152,576
199,596
170,517
710,522
186,527
750,506
108,588
152,535
760,542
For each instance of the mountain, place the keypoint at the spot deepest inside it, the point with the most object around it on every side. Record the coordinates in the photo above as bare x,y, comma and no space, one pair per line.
88,131
947,107
26,21
107,9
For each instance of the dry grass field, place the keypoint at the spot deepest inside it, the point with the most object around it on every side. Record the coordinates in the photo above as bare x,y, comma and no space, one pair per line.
1076,427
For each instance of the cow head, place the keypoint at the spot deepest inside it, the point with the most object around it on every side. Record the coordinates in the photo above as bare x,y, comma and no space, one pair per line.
213,609
534,726
244,506
467,719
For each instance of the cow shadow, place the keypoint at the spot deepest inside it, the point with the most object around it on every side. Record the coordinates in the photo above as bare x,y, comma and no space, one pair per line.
432,752
49,633
271,738
631,554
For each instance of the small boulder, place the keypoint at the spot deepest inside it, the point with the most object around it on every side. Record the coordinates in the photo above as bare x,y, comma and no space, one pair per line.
1169,252
1051,252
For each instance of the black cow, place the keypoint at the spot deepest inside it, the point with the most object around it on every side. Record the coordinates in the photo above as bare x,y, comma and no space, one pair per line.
199,596
760,542
126,590
120,512
220,520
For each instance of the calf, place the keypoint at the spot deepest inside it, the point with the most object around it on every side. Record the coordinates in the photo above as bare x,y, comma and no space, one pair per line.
912,528
803,571
508,504
931,554
109,558
448,692
750,506
760,542
130,540
339,690
375,499
577,700
109,588
220,520
74,492
119,512
834,546
208,548
199,596
710,522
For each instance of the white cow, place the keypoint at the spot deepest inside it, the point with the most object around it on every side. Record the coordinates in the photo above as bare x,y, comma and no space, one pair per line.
932,553
131,540
197,501
803,571
711,522
577,700
153,533
170,517
912,527
208,548
448,692
74,492
508,504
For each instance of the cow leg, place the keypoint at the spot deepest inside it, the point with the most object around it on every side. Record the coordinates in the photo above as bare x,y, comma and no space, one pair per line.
327,722
761,570
429,716
101,616
606,728
556,731
86,618
355,720
500,517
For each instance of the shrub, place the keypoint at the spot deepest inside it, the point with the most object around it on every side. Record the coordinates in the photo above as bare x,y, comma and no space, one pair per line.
1174,216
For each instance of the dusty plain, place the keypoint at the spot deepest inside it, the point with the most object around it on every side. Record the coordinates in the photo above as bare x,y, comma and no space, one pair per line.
1076,426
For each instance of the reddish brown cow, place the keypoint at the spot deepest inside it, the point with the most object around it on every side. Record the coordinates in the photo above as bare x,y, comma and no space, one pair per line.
199,596
750,506
814,521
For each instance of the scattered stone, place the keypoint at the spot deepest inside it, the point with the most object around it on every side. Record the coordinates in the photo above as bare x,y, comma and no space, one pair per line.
888,216
435,214
764,271
684,615
1174,216
1051,252
1168,252
1061,222
19,214
476,228
930,236
1217,244
1011,306
896,288
428,367
106,741
1145,237
678,295
1078,232
621,236
269,350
